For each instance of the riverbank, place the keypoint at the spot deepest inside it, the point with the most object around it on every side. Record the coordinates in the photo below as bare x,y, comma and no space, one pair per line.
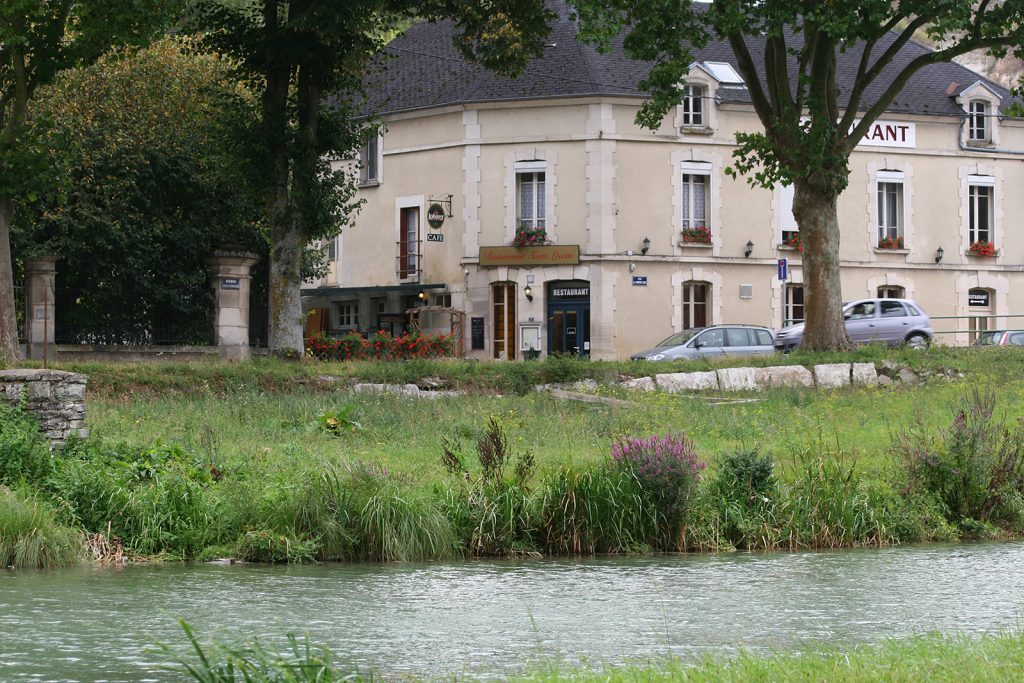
283,462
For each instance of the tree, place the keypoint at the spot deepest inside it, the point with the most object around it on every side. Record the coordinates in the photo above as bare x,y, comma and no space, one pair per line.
151,143
38,39
809,130
301,51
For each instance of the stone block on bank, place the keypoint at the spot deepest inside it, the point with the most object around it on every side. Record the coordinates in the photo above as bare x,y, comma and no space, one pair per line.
864,375
783,376
832,375
674,382
737,379
639,384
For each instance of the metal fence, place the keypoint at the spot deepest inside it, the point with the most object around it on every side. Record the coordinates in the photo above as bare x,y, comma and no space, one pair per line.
946,327
134,320
259,321
20,314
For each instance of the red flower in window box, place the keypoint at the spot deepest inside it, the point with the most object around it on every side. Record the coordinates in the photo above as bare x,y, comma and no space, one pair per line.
529,237
890,243
796,243
699,234
983,248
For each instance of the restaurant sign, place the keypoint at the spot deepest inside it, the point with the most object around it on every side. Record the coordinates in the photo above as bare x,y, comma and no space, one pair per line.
547,255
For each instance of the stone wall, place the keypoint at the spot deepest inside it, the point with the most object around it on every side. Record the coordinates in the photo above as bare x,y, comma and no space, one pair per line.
56,398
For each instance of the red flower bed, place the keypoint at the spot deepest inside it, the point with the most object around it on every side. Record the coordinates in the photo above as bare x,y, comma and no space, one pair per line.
983,248
381,346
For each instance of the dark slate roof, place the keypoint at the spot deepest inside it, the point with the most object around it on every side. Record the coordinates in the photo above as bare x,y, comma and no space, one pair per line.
424,70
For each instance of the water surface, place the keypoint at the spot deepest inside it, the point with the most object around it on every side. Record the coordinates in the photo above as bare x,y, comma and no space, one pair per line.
495,618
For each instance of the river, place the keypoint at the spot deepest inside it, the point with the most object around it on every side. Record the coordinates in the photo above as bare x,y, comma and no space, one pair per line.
494,618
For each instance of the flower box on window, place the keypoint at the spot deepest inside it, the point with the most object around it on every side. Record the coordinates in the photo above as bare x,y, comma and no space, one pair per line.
795,242
890,243
697,235
983,248
527,236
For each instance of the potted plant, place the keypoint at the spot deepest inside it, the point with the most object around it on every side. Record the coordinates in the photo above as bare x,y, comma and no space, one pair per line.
983,248
890,243
699,234
527,236
796,243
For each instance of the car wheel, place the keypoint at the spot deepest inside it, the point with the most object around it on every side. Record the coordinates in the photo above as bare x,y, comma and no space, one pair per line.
916,341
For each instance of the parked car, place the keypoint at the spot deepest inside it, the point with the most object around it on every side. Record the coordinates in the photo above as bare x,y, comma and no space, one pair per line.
717,340
1000,338
894,321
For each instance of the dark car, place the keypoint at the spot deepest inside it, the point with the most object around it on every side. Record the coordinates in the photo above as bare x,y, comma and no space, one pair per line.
717,340
894,321
1000,338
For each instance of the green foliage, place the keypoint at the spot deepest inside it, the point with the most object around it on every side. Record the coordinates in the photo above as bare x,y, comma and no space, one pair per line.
156,500
24,452
262,545
380,347
252,662
744,497
975,467
339,420
151,143
31,537
491,507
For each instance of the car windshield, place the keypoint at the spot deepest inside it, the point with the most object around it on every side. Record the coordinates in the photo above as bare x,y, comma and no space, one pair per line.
988,339
679,338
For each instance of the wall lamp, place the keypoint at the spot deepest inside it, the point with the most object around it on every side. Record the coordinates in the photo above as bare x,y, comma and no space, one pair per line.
749,250
422,296
645,246
528,291
939,253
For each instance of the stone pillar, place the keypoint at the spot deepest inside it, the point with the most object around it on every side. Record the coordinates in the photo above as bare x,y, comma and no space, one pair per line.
229,276
41,277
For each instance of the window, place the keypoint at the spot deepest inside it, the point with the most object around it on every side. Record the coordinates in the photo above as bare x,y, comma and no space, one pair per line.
710,338
794,305
531,202
787,221
443,300
348,315
865,309
892,309
890,209
369,162
980,194
504,320
409,244
737,336
695,200
332,249
977,120
693,105
891,292
695,304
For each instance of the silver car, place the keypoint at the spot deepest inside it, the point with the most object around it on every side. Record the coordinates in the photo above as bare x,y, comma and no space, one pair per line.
709,342
894,321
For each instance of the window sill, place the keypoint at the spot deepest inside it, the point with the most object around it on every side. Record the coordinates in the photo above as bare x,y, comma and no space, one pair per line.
979,144
696,130
886,250
369,183
984,256
787,247
695,245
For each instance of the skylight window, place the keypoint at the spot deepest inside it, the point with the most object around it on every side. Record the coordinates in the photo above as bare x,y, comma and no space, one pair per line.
724,73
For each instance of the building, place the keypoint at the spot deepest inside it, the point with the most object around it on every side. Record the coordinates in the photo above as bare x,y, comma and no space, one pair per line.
645,233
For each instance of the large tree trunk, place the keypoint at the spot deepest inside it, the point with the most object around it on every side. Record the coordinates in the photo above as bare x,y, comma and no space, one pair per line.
9,347
816,213
286,319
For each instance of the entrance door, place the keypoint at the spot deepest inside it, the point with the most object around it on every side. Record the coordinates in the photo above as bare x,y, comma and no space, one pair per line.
569,317
504,320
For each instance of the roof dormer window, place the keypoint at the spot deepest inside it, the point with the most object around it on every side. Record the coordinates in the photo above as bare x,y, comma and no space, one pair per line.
978,112
693,105
724,73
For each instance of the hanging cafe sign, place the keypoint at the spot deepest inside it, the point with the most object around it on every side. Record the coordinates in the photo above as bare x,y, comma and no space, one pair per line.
546,255
435,216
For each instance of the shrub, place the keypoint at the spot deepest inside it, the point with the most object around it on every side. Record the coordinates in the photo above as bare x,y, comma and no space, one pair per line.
263,545
975,467
668,471
24,453
381,346
30,535
742,501
492,507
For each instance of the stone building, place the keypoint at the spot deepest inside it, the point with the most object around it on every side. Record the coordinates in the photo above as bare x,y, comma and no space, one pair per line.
644,233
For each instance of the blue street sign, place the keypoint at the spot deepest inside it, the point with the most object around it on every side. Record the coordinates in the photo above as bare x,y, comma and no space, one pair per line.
639,280
783,269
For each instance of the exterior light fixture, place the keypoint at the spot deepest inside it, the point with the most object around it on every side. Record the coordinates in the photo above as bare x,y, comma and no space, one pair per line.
645,246
422,296
749,250
939,253
528,291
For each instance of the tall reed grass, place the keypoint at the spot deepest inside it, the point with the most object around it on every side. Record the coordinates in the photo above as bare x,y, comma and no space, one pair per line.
30,535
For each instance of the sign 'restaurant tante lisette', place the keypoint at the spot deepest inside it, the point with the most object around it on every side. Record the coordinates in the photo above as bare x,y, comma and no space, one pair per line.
547,255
